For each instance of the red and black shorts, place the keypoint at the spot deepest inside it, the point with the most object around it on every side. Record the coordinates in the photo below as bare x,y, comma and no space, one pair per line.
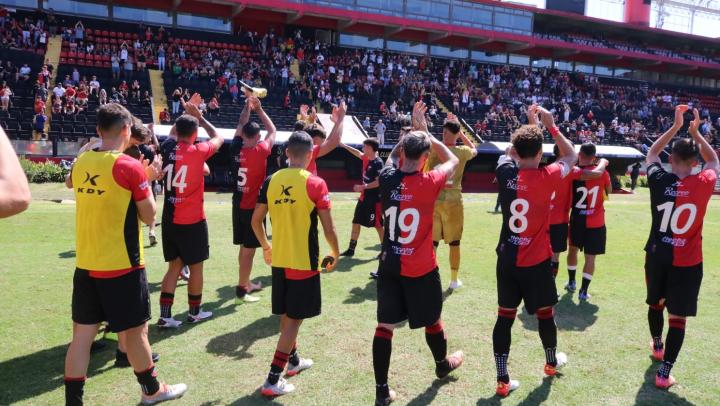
124,301
418,300
559,237
678,285
590,240
534,285
189,242
368,213
243,233
296,293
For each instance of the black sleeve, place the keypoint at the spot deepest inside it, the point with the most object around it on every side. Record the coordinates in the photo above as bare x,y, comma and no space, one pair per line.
262,197
655,173
375,169
166,148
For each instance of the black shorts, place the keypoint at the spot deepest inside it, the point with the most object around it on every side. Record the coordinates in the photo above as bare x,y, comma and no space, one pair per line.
243,233
124,302
534,285
589,240
367,213
559,237
187,241
679,286
418,300
297,298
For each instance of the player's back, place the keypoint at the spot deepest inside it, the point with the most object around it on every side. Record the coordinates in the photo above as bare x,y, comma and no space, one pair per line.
678,209
251,172
371,170
408,202
525,196
183,166
561,202
588,197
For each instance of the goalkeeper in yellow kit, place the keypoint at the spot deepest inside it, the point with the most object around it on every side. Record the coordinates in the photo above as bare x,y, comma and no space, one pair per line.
448,215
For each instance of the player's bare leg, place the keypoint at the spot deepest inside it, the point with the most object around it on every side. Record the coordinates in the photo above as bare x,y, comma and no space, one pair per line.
588,271
572,261
454,254
381,233
354,235
673,344
381,351
121,358
275,385
151,234
195,288
167,294
245,286
77,360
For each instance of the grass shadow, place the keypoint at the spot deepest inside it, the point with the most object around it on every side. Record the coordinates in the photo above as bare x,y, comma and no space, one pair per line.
237,343
568,315
346,264
648,394
359,295
539,395
254,398
428,396
447,293
375,247
66,254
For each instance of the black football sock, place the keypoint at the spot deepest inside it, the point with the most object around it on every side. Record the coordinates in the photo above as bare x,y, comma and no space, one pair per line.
277,367
586,279
74,389
166,302
655,321
673,343
436,340
381,351
501,342
194,302
240,291
353,245
148,380
294,358
555,266
548,334
120,356
571,273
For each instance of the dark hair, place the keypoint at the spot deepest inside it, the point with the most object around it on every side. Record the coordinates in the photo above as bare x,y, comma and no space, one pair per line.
556,150
372,143
112,115
139,132
251,129
315,130
588,149
685,149
527,141
415,144
186,125
453,126
298,144
299,126
404,122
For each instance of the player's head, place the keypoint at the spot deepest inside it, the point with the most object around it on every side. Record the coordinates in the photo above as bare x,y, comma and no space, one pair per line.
415,148
114,121
527,143
587,153
299,149
556,150
317,132
251,131
139,134
451,132
684,155
371,146
186,128
299,126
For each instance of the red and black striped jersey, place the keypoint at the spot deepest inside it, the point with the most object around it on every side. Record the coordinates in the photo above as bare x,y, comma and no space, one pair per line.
249,171
183,166
588,197
371,170
525,198
678,209
560,204
408,203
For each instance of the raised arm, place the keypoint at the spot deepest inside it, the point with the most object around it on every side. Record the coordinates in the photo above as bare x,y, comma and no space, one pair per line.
244,118
419,123
448,160
653,155
191,108
567,152
14,189
332,141
590,174
352,150
706,151
267,123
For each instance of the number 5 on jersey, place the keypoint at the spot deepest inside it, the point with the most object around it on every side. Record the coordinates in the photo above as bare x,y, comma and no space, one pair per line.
177,181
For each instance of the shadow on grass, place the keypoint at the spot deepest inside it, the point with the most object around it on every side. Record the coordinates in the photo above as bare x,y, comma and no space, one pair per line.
237,343
536,397
346,264
648,394
568,315
428,396
254,398
359,295
66,254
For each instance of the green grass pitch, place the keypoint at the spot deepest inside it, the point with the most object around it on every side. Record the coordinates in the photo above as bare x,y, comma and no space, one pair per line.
226,359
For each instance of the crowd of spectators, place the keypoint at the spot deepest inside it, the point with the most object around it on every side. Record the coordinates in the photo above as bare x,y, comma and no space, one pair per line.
29,33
